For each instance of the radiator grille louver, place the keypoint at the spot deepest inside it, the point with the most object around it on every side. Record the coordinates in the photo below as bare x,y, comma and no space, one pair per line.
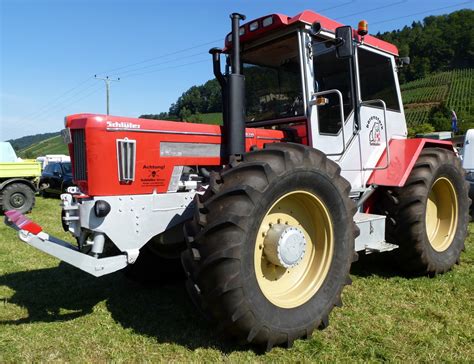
79,154
126,152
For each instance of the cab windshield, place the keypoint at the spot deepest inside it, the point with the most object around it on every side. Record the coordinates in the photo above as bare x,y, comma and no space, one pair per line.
273,85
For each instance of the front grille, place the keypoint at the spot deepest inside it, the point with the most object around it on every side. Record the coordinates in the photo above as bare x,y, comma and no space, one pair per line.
126,151
79,154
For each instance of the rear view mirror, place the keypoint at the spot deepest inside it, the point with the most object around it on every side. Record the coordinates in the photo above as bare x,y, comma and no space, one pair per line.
344,44
403,61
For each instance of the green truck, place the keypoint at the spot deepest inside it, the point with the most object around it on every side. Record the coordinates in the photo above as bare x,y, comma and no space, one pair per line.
18,180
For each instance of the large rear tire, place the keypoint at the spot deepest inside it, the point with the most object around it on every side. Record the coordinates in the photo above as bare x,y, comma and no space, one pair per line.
428,217
18,196
237,276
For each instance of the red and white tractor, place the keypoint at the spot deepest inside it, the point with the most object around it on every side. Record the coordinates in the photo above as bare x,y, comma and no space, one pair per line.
266,213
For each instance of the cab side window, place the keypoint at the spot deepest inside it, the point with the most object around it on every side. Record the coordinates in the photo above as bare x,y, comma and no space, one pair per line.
332,73
377,79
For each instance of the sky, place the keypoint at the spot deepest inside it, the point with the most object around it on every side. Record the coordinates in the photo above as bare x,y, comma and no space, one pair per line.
50,50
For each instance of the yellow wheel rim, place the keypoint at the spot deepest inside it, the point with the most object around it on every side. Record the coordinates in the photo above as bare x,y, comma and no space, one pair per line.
292,287
441,214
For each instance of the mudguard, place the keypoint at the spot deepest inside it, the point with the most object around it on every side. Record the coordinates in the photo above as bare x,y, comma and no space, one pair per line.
403,155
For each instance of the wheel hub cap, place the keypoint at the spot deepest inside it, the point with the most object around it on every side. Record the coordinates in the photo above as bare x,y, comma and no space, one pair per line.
284,245
17,200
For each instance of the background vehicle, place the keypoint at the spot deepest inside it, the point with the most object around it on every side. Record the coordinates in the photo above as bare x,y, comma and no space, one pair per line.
56,178
50,158
18,180
468,163
311,166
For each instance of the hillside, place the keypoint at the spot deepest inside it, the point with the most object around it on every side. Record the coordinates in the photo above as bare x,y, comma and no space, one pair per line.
54,145
26,141
436,44
436,95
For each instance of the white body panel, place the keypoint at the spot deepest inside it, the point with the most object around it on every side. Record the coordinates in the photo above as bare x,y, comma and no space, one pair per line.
133,220
362,152
468,151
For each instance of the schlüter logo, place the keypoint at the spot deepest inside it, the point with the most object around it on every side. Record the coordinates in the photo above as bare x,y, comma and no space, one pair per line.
122,125
375,135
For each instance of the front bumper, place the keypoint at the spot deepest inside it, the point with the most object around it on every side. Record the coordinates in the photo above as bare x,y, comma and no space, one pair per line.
32,234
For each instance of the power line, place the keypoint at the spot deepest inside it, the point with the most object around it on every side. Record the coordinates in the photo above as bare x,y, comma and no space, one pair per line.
337,6
53,101
161,56
374,9
423,12
166,68
158,64
58,101
97,89
52,106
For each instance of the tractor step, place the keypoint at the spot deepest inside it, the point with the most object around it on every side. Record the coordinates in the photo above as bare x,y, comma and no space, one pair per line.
372,234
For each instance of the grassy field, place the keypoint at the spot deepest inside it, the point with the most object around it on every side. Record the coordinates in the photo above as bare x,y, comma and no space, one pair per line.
50,311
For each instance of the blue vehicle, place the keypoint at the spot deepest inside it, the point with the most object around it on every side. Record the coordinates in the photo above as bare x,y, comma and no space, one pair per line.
56,178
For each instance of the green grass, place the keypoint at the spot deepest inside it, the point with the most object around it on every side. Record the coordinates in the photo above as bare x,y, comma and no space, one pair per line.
50,311
54,145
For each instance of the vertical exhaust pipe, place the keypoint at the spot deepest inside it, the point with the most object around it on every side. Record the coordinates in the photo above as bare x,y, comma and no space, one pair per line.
236,94
233,92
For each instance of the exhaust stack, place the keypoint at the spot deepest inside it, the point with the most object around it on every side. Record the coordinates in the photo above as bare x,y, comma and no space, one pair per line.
233,93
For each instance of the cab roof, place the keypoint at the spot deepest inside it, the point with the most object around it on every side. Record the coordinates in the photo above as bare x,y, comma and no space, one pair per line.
257,27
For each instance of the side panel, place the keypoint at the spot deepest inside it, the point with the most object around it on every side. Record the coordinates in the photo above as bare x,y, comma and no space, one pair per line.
160,145
403,155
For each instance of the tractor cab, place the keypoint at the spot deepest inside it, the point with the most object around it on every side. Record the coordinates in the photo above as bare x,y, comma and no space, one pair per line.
326,85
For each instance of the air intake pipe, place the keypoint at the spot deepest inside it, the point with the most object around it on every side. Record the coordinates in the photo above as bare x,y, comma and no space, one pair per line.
233,93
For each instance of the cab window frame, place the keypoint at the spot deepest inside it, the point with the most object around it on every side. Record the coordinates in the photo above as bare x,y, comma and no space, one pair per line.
394,90
295,33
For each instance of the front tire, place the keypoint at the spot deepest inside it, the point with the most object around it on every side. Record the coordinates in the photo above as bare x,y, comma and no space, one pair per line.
235,276
428,217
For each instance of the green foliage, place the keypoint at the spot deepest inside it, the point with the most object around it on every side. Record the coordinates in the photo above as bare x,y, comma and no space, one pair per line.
198,99
439,43
160,116
424,128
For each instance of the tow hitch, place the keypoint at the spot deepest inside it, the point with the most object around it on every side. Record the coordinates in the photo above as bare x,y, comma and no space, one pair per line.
33,234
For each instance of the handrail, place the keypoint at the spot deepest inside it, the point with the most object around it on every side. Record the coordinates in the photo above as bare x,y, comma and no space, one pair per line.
387,148
341,102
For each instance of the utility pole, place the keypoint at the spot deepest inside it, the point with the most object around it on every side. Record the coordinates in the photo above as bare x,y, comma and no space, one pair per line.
107,81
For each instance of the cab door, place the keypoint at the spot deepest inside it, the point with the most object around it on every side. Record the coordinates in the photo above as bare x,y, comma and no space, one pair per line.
381,114
332,103
332,112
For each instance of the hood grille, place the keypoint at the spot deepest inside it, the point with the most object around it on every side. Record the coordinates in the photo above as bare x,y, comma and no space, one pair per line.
79,154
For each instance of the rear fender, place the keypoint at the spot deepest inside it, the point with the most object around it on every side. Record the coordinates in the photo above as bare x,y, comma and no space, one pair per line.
403,156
